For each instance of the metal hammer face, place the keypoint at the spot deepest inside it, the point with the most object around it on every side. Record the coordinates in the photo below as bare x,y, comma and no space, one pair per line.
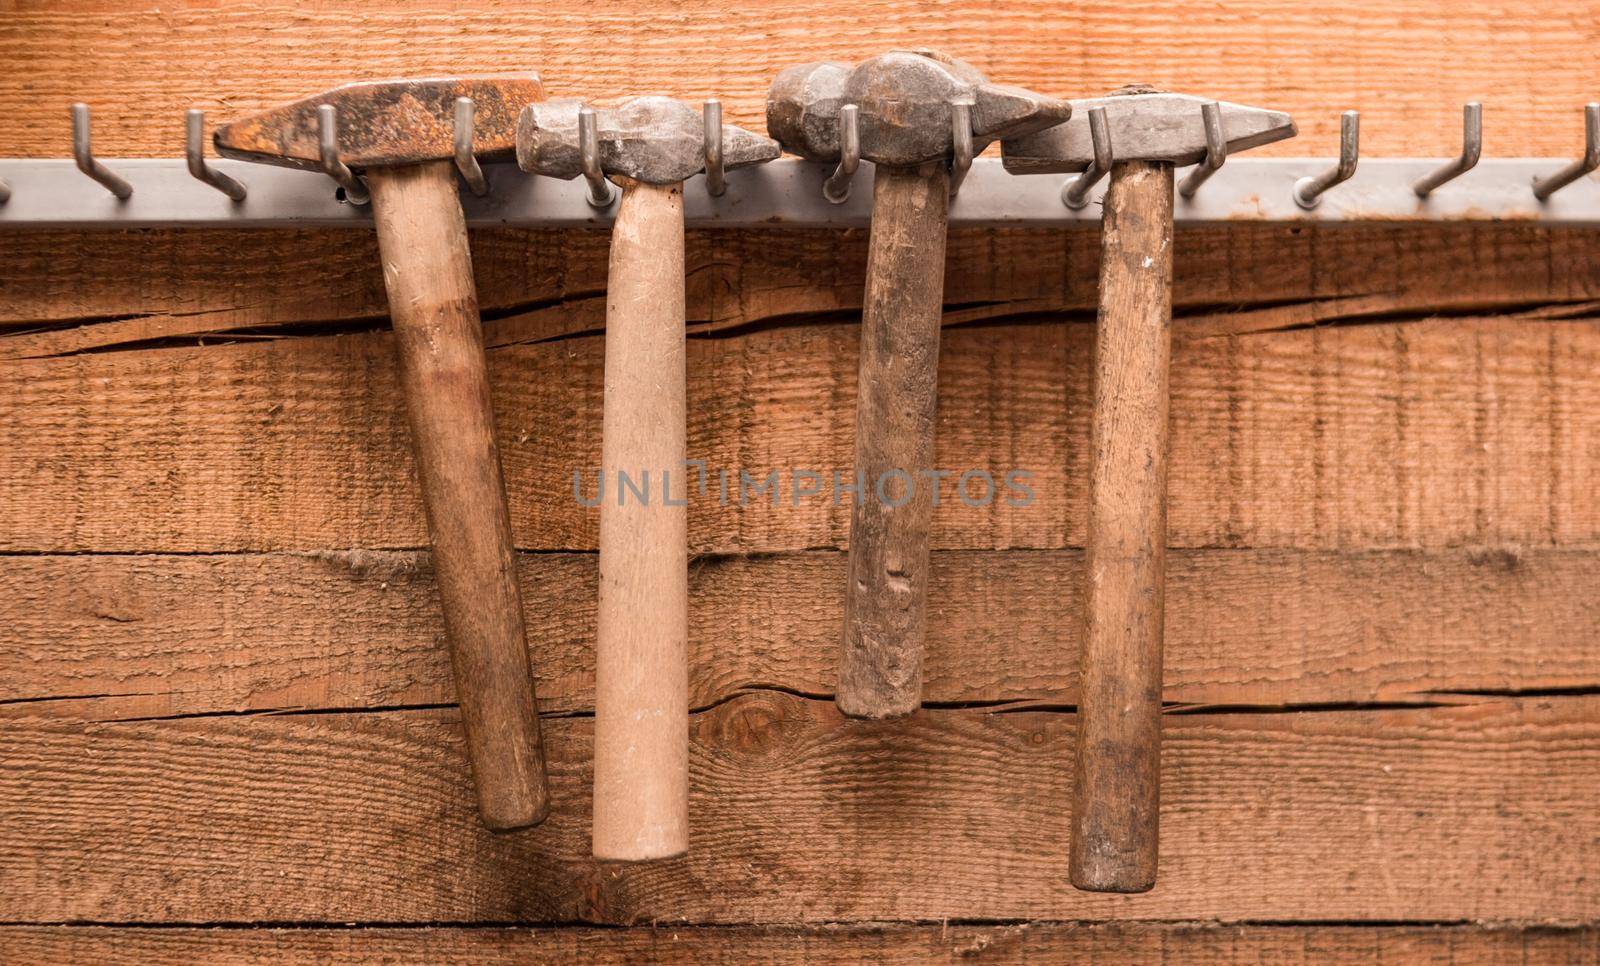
1145,125
655,140
904,99
386,123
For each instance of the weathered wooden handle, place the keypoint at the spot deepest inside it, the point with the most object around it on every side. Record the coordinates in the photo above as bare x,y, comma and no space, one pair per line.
1117,795
641,727
427,268
885,604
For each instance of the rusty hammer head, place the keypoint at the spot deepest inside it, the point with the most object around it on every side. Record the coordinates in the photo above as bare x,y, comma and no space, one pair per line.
903,98
1145,125
386,123
655,140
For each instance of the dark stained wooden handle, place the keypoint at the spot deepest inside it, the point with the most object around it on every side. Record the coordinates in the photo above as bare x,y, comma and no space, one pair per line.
885,611
641,702
422,238
1117,795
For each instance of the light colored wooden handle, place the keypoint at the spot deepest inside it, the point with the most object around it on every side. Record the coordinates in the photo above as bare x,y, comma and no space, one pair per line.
427,269
1117,796
886,597
641,728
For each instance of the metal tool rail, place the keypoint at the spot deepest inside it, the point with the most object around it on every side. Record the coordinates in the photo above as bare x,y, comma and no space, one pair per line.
788,194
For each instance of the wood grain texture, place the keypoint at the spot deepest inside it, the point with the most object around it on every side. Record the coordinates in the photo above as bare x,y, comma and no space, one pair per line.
641,778
1111,943
800,815
427,270
71,292
1409,67
891,502
1117,786
1476,430
1384,471
118,637
1489,425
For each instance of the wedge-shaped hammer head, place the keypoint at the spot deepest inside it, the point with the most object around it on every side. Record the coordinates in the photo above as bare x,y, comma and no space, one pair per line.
903,98
383,123
1145,125
656,140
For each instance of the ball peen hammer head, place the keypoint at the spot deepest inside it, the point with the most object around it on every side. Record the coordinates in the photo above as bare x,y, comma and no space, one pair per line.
903,98
386,123
1145,125
803,108
654,140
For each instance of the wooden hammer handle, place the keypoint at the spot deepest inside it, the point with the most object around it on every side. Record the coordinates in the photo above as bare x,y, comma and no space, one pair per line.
1116,798
422,238
641,727
885,609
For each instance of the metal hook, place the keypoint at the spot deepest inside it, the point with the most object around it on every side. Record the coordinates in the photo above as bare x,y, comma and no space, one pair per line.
1075,193
195,153
601,192
1308,191
837,188
328,148
82,154
961,137
716,183
1471,150
466,161
1216,151
1543,188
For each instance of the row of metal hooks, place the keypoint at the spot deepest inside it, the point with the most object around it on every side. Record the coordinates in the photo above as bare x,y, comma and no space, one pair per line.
602,193
1308,191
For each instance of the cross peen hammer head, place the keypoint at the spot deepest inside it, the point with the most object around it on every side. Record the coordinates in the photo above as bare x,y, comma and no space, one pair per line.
655,140
387,123
1145,125
903,98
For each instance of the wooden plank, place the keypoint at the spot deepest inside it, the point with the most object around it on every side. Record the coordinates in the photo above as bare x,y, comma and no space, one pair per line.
1473,430
132,286
1404,64
1469,432
69,292
117,637
294,413
892,945
799,815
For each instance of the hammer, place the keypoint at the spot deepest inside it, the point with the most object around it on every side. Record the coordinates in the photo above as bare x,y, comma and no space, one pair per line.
649,145
905,103
1117,792
401,134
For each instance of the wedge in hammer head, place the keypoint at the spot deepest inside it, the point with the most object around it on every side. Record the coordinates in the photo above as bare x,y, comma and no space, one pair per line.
904,99
655,140
1145,125
387,123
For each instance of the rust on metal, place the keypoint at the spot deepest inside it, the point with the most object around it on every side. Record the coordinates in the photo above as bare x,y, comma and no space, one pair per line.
383,123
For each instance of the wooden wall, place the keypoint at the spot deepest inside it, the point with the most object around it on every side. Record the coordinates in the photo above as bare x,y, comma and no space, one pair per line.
226,720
